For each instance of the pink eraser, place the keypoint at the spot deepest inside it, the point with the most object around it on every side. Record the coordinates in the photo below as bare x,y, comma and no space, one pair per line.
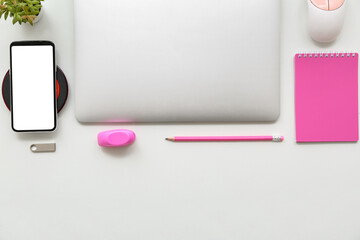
116,138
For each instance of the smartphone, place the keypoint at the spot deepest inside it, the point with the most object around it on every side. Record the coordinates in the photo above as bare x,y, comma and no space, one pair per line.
33,86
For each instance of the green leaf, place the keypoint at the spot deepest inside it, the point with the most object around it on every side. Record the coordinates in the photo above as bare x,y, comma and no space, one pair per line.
22,11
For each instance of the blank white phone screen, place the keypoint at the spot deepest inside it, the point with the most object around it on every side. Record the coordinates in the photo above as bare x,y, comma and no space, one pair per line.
33,88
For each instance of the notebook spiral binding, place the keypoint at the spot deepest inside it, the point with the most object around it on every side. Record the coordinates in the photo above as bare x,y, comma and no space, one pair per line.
327,55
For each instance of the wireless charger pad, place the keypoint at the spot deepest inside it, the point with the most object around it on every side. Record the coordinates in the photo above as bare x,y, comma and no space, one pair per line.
61,89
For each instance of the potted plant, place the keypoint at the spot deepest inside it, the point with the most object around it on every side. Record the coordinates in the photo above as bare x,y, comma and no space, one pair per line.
22,11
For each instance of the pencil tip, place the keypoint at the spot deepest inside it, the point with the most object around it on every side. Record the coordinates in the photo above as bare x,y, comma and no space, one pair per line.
169,139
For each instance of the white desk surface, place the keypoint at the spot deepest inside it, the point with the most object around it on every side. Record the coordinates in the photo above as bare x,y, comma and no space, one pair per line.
162,190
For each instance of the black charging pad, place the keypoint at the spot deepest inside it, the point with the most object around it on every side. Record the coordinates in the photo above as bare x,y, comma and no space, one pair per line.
61,89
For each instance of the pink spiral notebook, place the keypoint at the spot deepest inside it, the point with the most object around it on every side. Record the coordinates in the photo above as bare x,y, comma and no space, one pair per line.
326,97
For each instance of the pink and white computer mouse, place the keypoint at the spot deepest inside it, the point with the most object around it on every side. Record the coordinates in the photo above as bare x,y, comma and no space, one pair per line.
326,19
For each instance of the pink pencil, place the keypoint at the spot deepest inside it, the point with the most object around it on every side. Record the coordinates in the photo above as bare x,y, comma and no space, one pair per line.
226,139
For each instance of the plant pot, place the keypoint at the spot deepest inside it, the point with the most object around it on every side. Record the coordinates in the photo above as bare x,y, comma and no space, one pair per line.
39,16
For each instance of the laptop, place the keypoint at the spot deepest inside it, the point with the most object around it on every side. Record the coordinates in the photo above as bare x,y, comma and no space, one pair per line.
177,61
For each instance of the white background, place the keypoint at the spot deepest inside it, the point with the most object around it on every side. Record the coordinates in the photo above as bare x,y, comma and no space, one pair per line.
162,190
